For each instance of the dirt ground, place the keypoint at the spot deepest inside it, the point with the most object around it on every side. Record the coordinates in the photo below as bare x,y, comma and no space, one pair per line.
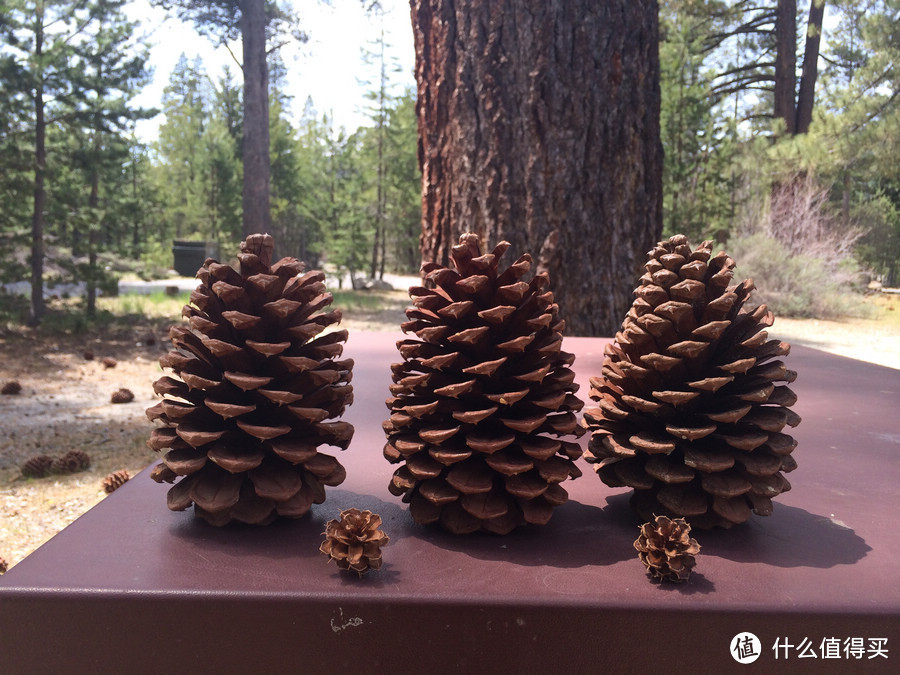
65,404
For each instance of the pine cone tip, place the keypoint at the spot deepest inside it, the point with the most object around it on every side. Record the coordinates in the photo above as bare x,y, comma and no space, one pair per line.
260,245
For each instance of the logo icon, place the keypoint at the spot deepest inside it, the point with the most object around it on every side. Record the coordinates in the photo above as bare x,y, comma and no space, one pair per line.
745,647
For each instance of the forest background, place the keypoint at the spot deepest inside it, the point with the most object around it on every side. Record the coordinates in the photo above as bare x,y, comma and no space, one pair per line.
807,199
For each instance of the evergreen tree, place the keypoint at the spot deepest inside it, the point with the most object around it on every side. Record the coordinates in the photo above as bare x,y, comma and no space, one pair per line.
110,71
256,23
180,174
38,75
697,139
403,203
380,100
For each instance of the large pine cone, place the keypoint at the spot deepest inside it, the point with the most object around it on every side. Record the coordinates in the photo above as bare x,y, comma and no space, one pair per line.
693,398
252,392
482,397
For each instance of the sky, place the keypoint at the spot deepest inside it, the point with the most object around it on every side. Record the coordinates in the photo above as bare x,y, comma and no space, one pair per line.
327,68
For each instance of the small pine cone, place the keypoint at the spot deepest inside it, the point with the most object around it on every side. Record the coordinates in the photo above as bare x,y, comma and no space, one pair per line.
253,392
667,549
693,396
88,355
482,397
115,480
4,566
37,467
354,542
109,362
122,396
11,388
71,462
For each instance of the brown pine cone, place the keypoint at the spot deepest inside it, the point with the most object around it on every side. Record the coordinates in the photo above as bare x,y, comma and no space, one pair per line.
4,566
37,467
694,397
115,480
11,388
122,396
482,397
109,362
667,549
354,542
254,388
71,462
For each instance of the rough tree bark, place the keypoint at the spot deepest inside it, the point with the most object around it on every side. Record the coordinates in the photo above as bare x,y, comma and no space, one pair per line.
786,64
810,70
539,124
255,198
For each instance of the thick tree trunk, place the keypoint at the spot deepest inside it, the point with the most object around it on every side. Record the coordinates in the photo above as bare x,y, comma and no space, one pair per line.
786,64
256,216
809,74
539,124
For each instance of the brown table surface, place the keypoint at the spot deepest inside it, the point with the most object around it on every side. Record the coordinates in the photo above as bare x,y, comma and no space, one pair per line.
131,586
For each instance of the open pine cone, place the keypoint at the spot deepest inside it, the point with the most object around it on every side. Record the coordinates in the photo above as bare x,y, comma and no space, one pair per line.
253,390
482,397
694,397
354,542
666,548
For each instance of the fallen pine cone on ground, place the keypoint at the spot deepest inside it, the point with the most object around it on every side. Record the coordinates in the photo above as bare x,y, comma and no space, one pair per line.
37,467
122,396
71,462
11,388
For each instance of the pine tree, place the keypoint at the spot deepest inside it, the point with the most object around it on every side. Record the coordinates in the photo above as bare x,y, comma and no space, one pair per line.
38,74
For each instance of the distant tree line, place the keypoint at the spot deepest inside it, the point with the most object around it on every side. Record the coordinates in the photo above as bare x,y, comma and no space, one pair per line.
776,118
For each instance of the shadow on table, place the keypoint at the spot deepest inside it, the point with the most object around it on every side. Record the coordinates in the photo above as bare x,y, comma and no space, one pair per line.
576,536
790,537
